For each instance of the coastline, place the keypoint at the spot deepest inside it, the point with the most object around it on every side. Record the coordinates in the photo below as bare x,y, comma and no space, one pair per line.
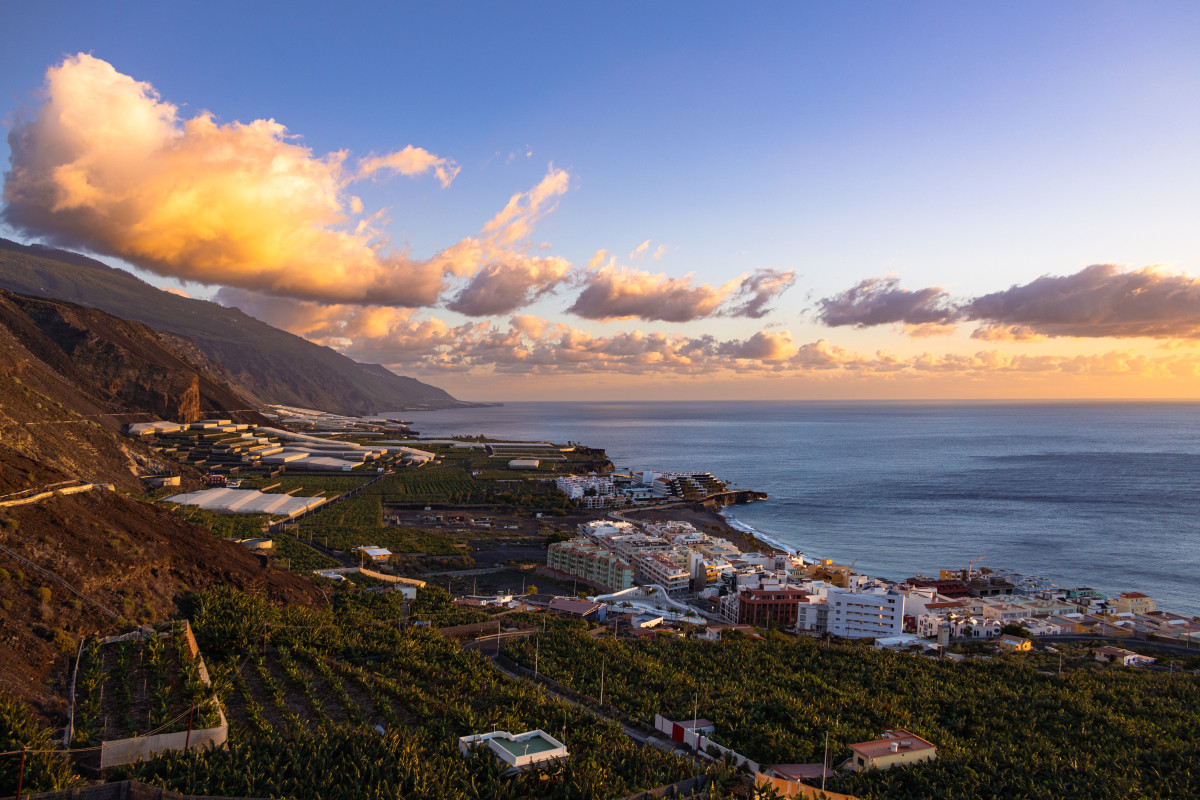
713,521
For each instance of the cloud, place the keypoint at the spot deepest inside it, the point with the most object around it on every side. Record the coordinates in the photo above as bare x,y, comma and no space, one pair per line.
756,291
1098,301
173,290
640,250
615,292
504,285
530,345
106,164
926,330
515,221
881,301
1102,300
411,162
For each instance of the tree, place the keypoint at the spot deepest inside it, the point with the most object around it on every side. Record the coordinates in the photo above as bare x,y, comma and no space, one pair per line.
1013,629
531,589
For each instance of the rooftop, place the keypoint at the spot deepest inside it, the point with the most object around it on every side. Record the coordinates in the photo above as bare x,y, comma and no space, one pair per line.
906,743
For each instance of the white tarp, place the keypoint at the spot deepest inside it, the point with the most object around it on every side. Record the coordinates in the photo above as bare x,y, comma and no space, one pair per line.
246,501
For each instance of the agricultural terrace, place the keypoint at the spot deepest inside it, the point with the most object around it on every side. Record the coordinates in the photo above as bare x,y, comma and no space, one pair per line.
304,707
133,687
1004,728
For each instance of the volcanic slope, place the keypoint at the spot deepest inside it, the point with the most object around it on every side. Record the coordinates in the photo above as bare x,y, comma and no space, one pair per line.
102,562
72,376
98,560
262,363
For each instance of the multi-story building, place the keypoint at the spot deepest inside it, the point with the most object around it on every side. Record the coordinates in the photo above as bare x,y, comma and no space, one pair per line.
657,568
1134,603
779,604
589,560
872,613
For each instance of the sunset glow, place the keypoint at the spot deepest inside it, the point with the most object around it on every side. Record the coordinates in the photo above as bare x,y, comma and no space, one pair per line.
935,204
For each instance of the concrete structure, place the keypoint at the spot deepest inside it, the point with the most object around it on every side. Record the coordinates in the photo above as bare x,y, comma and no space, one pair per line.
520,751
897,748
591,561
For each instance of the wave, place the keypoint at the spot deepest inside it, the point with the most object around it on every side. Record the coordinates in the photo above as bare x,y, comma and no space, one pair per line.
737,524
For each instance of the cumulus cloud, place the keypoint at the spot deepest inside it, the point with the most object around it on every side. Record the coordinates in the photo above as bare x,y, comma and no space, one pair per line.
508,283
1100,300
108,165
616,292
881,301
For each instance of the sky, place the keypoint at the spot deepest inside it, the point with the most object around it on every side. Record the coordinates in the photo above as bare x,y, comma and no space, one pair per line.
630,201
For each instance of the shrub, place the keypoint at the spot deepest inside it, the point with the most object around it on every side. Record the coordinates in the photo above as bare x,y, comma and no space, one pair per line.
5,575
43,594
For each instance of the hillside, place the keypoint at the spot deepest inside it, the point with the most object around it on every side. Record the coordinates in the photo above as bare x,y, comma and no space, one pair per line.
73,376
129,561
262,363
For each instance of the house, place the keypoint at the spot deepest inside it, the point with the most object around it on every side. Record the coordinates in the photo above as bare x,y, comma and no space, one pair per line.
372,553
1134,603
1126,658
1014,644
897,748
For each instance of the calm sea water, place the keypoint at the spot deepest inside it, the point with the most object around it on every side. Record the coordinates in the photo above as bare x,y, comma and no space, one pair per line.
1092,494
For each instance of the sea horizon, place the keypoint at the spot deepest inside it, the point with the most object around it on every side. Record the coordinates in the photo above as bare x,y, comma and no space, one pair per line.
1083,492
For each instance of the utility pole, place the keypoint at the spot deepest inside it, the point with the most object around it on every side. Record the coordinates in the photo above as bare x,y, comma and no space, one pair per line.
825,762
602,663
537,646
21,772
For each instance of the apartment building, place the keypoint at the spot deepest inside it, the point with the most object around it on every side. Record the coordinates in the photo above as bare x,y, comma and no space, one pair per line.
591,561
657,568
871,613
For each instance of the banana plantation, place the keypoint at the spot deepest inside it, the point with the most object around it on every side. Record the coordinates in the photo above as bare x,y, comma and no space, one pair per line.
1003,728
347,702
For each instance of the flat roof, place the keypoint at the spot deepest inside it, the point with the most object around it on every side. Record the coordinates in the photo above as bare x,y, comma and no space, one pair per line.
524,747
883,747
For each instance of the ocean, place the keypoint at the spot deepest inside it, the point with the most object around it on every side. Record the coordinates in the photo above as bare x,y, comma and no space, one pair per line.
1094,494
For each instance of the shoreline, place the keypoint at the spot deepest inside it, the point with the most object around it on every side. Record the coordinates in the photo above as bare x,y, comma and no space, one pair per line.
708,520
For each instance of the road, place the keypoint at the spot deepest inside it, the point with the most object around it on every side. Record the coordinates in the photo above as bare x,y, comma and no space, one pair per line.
660,742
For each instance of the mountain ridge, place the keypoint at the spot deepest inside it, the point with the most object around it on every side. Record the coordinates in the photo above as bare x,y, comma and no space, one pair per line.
260,362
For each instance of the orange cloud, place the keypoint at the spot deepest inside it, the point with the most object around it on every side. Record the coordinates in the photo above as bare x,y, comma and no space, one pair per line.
108,165
411,161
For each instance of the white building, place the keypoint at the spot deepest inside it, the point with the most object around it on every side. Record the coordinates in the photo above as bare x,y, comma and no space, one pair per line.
858,615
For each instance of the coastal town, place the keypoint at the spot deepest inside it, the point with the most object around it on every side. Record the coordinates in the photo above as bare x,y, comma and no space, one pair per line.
655,572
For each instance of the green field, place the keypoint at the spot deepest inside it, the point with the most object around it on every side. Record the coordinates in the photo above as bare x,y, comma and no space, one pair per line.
1004,727
303,714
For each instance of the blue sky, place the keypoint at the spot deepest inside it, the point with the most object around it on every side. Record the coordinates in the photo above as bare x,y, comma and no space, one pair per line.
967,146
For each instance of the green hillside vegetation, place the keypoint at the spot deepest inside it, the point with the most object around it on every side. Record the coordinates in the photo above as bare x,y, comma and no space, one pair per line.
44,772
1004,728
305,711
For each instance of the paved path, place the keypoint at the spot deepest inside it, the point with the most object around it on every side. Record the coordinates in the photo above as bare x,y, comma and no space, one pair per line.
637,736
